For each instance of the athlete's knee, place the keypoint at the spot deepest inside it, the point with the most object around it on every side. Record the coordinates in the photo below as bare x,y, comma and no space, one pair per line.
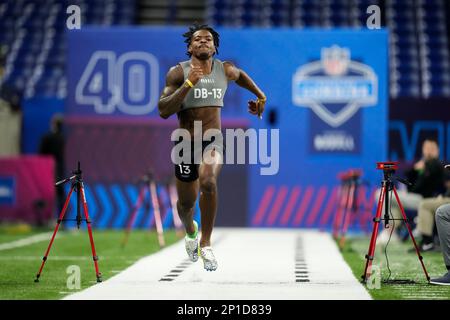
208,184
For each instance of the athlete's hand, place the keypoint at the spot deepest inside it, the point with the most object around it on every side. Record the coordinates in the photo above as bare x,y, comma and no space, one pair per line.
256,107
195,74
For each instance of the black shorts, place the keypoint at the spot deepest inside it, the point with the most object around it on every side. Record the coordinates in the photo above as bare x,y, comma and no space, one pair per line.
188,172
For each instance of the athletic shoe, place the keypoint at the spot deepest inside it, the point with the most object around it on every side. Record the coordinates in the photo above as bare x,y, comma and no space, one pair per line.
192,245
443,281
209,261
424,247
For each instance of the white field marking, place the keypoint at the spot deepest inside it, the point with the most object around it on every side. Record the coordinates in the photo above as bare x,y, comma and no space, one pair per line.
62,258
50,257
253,264
26,241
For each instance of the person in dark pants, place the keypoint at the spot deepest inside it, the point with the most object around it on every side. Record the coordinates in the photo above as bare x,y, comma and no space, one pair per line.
426,216
443,227
53,144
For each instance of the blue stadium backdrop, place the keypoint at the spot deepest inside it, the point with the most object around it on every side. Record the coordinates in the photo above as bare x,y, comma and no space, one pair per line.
327,95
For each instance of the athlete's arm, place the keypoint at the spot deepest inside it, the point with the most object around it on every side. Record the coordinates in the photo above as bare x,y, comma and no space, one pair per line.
243,79
176,90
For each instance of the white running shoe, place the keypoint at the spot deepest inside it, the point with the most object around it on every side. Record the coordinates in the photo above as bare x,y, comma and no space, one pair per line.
209,261
192,245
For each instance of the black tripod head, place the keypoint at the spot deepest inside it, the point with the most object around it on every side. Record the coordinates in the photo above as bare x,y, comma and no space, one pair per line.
77,176
388,167
78,171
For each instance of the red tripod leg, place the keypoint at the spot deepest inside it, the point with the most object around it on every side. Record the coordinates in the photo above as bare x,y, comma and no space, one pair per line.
373,239
61,217
347,214
411,234
91,238
343,214
157,213
338,216
136,208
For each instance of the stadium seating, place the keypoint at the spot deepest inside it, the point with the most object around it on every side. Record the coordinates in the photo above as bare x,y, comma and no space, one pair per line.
419,50
34,32
418,47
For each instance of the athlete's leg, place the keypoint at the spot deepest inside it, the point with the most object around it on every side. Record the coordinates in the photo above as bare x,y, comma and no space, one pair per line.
187,195
208,174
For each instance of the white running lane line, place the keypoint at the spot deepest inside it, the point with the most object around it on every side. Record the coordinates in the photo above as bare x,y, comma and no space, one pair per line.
26,241
253,264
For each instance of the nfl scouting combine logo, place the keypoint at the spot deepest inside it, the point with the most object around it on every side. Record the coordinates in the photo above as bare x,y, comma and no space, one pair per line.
335,88
335,79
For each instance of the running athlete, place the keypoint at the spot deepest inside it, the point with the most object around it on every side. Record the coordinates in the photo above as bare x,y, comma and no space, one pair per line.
194,90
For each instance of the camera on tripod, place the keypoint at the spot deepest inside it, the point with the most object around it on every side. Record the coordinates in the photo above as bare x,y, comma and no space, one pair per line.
387,189
388,167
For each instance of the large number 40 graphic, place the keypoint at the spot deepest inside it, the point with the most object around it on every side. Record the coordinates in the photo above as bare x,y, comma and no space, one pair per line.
128,83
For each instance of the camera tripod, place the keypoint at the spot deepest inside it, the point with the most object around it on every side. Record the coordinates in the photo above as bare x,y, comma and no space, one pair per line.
348,204
388,186
148,185
78,187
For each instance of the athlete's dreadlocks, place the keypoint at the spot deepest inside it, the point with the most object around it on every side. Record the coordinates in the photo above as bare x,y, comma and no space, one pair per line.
194,28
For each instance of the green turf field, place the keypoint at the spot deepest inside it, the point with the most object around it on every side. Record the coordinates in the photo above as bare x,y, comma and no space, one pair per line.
14,232
20,265
403,265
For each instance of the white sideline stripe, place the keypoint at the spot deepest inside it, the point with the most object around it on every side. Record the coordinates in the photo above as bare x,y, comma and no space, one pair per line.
32,258
254,264
26,241
63,258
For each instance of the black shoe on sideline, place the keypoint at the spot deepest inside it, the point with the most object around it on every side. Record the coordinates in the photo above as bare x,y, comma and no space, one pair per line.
443,281
424,247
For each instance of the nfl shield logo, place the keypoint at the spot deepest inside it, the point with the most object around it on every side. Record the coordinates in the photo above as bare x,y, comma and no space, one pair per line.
335,60
334,87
